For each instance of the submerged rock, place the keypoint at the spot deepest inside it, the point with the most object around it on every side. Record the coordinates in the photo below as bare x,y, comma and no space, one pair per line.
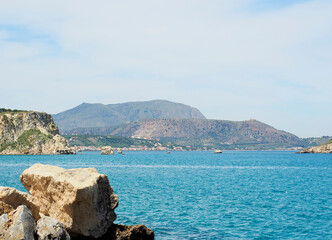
50,228
107,150
81,199
18,224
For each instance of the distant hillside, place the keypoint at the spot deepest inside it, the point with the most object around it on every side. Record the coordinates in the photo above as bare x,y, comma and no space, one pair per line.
89,115
201,133
101,140
315,141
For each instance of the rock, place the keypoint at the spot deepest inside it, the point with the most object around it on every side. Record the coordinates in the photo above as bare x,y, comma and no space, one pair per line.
66,151
18,224
49,228
28,132
107,150
15,198
3,220
122,232
325,148
81,199
5,208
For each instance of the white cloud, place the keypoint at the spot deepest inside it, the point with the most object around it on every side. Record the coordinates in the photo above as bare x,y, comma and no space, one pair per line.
221,56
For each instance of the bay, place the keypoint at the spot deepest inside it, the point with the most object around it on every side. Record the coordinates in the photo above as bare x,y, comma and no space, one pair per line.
201,195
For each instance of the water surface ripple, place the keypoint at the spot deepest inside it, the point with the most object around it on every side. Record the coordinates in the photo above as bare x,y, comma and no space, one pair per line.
201,195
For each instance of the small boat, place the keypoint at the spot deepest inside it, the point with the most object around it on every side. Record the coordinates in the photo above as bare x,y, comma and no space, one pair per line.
217,151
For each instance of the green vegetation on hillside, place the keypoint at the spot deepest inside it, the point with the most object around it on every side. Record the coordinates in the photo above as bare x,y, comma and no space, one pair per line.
203,133
329,142
27,140
315,141
102,140
209,134
5,110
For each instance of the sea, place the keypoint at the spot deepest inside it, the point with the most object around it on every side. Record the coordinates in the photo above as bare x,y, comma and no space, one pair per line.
202,195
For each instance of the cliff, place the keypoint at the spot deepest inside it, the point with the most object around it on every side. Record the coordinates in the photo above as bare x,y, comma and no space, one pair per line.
28,132
324,148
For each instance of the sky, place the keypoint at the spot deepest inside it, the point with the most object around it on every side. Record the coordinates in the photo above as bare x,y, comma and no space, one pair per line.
269,60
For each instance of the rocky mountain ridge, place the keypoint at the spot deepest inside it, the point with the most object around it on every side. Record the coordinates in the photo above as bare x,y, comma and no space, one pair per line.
250,134
89,115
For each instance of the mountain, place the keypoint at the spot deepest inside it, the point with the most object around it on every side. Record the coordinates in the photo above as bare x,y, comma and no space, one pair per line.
200,133
28,132
89,115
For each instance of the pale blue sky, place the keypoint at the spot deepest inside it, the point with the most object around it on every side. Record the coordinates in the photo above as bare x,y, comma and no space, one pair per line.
233,60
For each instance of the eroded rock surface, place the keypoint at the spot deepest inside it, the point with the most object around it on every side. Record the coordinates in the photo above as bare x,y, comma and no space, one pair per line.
14,198
81,199
29,132
17,225
50,229
5,208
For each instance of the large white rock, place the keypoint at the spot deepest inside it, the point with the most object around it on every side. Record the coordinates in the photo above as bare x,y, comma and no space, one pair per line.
17,225
107,150
81,199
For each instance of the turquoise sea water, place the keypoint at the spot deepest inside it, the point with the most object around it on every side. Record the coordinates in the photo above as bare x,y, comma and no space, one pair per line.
201,195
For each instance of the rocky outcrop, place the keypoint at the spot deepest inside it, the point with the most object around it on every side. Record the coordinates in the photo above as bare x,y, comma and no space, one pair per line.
50,228
81,199
65,204
30,133
18,224
325,148
107,150
15,198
